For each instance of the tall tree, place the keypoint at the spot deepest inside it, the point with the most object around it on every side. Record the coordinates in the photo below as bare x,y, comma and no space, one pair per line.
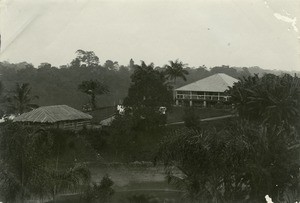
21,99
93,88
45,65
268,99
240,163
23,159
27,170
85,58
131,64
148,88
148,91
176,70
110,65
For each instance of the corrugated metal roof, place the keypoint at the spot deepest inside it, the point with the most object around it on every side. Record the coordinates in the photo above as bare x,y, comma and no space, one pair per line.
215,83
52,114
107,121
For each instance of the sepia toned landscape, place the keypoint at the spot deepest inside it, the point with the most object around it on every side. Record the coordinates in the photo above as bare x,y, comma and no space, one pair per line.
96,130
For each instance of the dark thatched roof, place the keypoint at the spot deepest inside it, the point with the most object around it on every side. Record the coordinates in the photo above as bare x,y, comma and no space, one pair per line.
52,114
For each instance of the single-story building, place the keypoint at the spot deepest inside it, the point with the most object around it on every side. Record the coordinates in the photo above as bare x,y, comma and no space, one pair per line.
209,90
58,116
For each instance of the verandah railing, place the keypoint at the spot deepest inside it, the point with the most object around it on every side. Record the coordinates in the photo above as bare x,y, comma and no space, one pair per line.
203,97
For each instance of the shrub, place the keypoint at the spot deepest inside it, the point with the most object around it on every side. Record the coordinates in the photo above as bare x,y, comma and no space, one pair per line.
102,192
191,118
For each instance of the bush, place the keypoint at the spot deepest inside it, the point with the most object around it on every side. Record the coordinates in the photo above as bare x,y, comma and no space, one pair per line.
191,118
102,192
241,161
142,198
96,138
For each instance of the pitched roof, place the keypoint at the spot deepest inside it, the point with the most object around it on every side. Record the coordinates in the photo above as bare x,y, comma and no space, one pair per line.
215,83
52,114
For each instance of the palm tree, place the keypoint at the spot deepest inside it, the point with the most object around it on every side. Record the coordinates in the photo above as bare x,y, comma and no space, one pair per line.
93,88
176,70
67,179
27,169
270,99
242,160
23,157
21,99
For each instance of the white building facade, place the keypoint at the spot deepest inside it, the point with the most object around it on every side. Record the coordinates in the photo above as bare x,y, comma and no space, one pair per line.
207,91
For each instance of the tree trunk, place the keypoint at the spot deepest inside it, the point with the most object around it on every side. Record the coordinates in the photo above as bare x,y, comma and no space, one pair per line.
93,100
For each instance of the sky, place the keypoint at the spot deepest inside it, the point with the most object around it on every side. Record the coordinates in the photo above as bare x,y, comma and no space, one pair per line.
242,33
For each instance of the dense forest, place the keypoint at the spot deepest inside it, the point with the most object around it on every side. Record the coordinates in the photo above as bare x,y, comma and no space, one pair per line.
58,85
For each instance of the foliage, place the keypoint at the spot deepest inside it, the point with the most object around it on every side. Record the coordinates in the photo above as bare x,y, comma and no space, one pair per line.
102,192
191,118
21,99
1,99
96,138
45,66
148,88
110,65
142,198
64,180
23,154
27,166
85,58
1,88
269,99
59,85
242,162
147,93
176,70
131,139
229,71
93,88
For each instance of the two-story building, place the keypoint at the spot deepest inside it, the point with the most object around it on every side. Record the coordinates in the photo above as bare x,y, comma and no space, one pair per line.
207,91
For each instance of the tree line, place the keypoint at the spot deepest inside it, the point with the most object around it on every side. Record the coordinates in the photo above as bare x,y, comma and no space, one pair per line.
59,85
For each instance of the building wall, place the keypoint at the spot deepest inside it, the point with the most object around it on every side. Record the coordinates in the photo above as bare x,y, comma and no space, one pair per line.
189,98
67,125
74,125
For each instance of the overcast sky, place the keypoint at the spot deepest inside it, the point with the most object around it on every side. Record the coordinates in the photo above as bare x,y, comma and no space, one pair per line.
207,32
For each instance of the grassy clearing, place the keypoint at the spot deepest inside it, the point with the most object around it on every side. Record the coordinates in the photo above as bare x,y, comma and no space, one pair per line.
174,115
102,113
124,175
177,113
